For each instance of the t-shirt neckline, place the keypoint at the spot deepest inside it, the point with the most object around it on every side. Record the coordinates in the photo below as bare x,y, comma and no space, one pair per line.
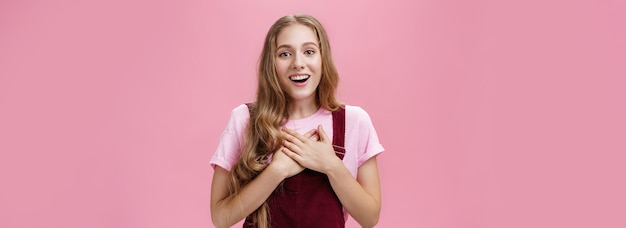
308,118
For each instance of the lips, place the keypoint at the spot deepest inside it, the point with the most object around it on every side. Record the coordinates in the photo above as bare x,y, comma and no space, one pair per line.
300,78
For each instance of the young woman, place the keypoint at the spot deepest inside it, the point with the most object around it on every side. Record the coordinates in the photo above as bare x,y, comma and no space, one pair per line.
296,157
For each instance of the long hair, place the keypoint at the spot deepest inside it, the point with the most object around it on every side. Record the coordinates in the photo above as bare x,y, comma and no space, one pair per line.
269,112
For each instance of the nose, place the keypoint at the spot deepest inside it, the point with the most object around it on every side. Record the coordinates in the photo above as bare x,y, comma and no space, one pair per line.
298,62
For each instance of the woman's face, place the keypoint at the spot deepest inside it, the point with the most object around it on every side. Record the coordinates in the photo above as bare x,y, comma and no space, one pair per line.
298,62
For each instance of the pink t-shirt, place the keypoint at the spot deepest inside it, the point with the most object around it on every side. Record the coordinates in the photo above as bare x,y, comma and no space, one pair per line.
361,141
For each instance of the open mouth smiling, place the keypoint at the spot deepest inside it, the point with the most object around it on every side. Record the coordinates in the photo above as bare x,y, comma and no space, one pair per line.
300,78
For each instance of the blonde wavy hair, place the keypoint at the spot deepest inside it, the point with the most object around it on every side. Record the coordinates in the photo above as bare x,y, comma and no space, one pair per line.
269,111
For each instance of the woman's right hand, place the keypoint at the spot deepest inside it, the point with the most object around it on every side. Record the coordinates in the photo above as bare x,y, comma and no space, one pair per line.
286,165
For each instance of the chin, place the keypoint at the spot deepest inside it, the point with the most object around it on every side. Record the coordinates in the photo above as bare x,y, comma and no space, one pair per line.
302,96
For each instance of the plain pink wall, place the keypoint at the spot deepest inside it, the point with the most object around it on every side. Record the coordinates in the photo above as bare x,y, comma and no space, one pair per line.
493,114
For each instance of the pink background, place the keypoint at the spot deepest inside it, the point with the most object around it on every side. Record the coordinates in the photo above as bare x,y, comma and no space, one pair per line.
493,114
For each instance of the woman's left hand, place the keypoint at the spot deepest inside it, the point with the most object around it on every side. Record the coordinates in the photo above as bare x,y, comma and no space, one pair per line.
317,155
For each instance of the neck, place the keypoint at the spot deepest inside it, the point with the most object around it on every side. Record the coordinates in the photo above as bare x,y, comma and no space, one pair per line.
302,109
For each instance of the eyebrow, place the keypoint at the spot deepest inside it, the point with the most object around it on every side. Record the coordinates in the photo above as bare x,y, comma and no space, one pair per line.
304,44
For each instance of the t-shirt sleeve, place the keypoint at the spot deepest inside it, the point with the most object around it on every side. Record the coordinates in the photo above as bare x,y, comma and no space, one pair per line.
229,148
368,144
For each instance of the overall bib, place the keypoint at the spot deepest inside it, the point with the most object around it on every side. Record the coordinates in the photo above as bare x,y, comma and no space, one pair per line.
307,199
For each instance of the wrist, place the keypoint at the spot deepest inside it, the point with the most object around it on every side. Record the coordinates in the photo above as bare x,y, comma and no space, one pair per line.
334,166
276,171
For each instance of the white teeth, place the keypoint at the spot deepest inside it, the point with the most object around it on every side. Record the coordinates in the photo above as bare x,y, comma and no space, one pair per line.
299,77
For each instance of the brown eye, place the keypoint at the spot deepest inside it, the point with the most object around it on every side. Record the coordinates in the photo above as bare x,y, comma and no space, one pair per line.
284,54
309,52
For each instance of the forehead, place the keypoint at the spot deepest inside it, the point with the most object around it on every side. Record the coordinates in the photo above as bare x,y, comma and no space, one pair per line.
296,35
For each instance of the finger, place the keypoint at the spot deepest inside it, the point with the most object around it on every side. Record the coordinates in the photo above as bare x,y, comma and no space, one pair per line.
322,134
291,154
291,138
295,135
315,137
312,132
291,146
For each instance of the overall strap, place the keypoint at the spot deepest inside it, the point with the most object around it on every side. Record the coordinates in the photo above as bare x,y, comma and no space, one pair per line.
339,131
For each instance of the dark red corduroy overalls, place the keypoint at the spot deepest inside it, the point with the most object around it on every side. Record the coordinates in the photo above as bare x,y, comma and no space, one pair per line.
307,199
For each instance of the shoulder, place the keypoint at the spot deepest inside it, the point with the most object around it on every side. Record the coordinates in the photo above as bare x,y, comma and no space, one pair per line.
239,118
358,117
240,112
356,113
